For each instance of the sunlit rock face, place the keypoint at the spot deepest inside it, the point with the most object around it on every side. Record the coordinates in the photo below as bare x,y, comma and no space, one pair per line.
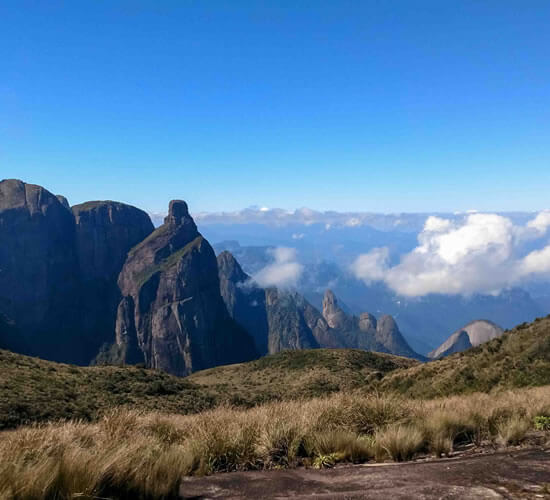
172,316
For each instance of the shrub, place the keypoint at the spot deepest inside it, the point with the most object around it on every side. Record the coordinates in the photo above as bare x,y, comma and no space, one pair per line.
513,430
542,423
399,442
341,445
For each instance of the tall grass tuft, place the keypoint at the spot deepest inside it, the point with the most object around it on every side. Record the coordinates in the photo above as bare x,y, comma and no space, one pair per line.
398,442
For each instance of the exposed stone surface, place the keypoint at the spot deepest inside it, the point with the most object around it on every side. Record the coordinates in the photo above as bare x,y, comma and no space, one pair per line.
74,280
473,334
245,302
293,323
171,307
105,232
334,315
516,473
278,320
38,270
388,334
291,320
365,332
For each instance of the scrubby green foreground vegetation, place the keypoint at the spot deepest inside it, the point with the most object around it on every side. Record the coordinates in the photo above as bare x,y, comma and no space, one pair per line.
299,374
520,358
34,390
131,454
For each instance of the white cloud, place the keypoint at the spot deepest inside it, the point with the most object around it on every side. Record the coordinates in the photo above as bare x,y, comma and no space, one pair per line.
298,236
283,272
436,224
481,253
541,222
536,262
372,266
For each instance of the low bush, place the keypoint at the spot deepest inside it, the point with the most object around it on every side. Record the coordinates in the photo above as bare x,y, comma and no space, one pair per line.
398,442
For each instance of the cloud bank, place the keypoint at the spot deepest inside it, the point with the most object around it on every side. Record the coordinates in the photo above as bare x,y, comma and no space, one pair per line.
482,253
283,272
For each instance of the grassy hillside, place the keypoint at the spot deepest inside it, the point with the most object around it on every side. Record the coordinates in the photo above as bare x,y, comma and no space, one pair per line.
299,374
520,358
34,390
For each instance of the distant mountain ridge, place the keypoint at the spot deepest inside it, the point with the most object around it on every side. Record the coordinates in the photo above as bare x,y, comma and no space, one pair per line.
424,321
473,334
286,320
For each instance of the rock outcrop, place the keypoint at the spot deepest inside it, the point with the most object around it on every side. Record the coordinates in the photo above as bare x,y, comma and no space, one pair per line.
105,233
58,270
473,334
96,283
245,302
365,332
171,310
284,320
38,271
278,320
334,315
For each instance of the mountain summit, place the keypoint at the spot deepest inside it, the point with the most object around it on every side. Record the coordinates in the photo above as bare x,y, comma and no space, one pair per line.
172,315
284,320
471,335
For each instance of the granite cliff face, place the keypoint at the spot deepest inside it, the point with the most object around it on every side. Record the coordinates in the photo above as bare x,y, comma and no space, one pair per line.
38,278
172,316
245,302
277,319
471,335
58,285
293,323
96,283
365,332
105,232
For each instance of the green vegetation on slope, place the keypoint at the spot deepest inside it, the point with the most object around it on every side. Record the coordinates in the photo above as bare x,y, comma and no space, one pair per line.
299,374
520,358
34,390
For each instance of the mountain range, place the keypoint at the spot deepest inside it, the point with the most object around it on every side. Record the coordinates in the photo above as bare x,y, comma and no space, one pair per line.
425,322
97,283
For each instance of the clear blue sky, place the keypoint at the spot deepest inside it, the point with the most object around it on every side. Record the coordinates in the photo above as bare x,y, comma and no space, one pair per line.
404,105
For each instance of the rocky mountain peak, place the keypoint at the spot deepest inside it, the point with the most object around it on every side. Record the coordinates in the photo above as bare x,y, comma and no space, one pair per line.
230,269
333,314
473,334
172,313
178,213
63,201
367,322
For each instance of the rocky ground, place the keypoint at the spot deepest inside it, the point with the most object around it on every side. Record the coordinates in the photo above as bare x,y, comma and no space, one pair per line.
519,473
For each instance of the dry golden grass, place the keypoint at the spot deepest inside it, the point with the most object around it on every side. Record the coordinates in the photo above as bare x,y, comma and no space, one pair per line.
132,454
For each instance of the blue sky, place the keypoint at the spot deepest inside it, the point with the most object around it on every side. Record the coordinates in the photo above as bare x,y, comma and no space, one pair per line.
382,106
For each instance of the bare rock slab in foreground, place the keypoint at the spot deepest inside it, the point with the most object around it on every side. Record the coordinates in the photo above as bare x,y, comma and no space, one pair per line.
523,474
